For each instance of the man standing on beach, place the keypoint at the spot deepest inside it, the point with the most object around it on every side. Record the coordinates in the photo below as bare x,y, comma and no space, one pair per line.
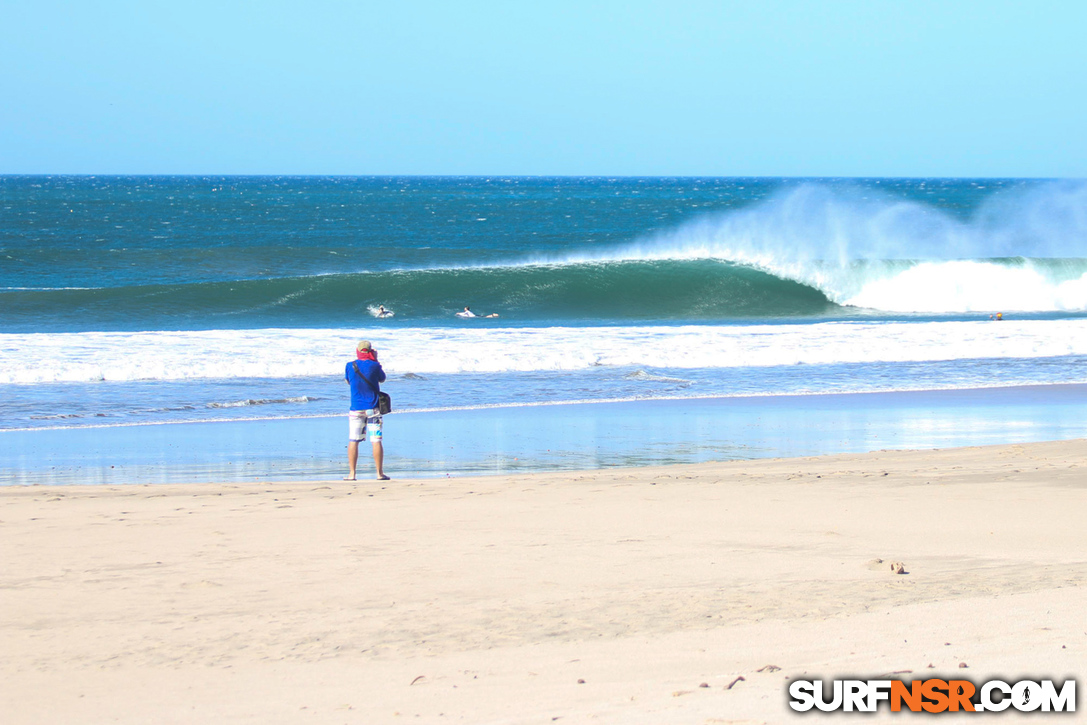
364,375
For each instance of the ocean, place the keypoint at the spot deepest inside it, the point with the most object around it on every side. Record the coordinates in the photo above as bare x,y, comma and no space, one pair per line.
142,301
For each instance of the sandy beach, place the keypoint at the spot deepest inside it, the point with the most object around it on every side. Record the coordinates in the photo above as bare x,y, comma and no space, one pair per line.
634,595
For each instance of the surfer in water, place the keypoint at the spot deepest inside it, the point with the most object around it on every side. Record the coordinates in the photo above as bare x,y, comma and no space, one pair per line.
380,312
467,312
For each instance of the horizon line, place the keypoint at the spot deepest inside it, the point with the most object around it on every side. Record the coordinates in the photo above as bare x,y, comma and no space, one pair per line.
796,177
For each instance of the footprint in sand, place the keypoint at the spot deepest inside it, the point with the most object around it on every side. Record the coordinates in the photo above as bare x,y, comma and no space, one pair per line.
897,567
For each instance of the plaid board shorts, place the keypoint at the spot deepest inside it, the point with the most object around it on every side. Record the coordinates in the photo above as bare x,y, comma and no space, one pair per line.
363,423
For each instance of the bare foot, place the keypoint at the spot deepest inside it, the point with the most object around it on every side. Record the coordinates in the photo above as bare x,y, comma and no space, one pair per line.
383,477
349,478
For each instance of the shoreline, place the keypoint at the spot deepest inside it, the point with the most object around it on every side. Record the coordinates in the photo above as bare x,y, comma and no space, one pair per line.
1022,387
487,599
517,440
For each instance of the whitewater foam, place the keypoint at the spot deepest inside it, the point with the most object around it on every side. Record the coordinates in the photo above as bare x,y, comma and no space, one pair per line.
972,286
262,401
649,377
286,353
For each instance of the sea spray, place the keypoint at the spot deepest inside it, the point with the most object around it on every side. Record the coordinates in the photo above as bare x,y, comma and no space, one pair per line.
1020,250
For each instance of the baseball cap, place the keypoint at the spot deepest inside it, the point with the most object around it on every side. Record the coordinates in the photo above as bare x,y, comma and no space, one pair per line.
363,345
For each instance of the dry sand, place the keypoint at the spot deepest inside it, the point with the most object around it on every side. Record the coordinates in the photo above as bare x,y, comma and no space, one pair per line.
604,596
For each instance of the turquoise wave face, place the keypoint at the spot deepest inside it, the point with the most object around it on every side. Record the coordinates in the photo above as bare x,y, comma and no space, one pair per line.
617,292
642,290
127,231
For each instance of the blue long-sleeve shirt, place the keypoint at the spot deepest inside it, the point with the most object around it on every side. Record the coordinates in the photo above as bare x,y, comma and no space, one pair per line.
364,388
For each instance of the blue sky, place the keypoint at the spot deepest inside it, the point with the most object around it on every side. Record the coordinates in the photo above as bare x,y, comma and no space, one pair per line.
625,88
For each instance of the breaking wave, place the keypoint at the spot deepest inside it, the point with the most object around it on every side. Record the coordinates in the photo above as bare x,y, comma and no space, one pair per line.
812,250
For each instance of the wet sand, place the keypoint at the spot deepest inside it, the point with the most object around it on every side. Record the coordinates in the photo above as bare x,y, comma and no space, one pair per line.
609,596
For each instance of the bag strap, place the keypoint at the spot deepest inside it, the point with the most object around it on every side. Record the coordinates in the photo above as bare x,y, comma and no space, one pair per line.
359,373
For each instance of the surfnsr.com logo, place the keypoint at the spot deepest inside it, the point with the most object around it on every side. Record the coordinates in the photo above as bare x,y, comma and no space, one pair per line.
933,695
